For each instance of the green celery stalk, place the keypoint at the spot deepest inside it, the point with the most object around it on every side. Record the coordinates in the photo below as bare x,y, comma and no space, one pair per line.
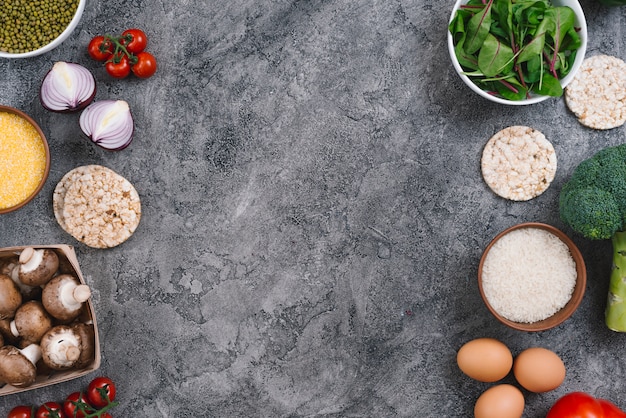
616,305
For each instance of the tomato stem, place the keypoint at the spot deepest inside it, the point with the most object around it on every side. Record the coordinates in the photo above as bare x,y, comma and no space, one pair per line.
119,49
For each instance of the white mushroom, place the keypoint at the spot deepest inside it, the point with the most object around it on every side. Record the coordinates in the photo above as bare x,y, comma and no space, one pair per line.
28,292
61,347
10,297
18,367
64,296
37,266
31,322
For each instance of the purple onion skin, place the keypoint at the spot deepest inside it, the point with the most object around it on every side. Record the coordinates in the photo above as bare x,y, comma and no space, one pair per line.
120,147
80,105
99,142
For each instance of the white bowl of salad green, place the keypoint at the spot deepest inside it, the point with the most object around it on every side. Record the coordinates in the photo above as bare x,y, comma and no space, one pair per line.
517,52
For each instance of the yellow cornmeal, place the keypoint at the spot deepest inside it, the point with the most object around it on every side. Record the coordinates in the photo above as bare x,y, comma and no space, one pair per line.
22,159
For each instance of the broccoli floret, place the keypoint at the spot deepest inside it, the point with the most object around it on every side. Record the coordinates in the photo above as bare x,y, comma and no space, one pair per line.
593,204
592,212
593,201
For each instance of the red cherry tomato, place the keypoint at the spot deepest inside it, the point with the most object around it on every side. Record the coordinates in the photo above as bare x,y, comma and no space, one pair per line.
21,411
100,392
76,405
576,405
50,410
145,66
100,49
135,40
118,66
611,410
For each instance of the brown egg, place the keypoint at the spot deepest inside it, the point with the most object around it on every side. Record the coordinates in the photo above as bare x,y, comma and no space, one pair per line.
500,401
485,359
539,369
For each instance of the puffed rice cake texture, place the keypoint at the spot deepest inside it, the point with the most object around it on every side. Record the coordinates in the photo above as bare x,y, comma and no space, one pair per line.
597,93
97,206
518,163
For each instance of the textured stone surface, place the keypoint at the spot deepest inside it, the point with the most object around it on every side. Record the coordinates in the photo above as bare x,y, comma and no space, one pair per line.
313,212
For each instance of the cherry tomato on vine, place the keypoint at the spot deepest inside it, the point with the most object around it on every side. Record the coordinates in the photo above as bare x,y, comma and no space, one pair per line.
135,40
99,390
76,405
145,66
50,410
100,49
118,66
21,411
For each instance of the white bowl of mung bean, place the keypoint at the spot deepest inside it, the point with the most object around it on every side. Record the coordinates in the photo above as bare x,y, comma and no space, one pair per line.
33,27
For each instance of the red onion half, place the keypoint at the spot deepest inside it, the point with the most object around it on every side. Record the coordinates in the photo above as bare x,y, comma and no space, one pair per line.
108,123
67,87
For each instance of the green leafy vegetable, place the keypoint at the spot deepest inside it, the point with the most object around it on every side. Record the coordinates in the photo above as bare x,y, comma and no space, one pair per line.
515,48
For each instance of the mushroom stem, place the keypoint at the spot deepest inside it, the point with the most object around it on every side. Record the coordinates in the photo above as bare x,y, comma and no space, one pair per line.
32,352
30,258
73,296
14,330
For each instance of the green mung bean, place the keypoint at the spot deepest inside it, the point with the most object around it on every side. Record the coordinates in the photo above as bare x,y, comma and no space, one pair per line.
27,25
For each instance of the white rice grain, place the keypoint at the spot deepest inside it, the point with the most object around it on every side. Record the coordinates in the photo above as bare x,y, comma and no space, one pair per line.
528,275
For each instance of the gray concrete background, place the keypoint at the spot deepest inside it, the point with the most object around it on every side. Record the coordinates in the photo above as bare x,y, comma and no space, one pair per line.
313,212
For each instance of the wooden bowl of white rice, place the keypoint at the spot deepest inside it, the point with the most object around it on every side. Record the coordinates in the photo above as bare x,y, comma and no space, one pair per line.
532,277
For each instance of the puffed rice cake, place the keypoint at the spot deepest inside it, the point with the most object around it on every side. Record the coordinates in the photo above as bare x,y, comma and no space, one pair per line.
518,163
97,206
597,93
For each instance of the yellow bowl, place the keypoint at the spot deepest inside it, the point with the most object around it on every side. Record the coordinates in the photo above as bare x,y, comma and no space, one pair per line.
29,194
570,307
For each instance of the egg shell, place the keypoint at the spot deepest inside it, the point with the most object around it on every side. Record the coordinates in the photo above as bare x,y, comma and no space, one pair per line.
485,359
539,369
500,401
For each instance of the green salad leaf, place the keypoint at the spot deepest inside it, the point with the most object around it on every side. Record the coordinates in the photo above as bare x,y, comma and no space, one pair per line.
515,48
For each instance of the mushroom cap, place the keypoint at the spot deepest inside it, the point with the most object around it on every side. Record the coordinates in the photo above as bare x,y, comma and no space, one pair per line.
10,297
63,297
37,266
15,368
5,331
65,265
88,348
61,347
7,264
31,321
28,292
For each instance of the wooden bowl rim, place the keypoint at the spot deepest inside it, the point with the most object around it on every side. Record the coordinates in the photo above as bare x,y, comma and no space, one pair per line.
44,177
570,307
